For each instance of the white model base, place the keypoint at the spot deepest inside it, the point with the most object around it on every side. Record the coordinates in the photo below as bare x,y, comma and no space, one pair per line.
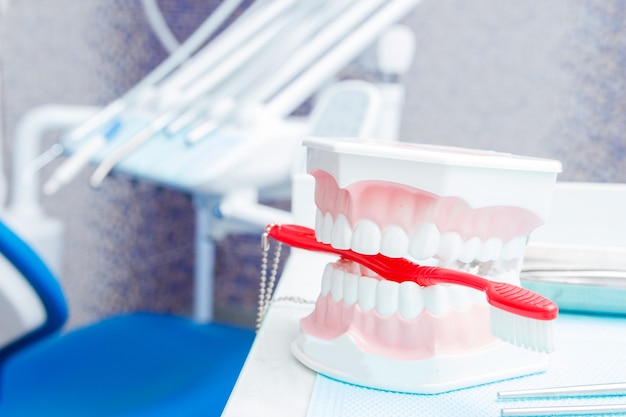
343,360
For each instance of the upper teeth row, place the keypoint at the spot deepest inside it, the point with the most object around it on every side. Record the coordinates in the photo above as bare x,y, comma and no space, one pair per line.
388,297
427,242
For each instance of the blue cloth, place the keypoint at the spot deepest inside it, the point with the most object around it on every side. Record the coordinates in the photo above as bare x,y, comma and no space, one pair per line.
133,365
590,350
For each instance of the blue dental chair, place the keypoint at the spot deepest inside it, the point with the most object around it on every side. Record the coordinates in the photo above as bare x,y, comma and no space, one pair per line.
133,365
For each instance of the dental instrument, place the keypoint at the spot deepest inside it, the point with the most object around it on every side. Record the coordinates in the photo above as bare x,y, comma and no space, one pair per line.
572,410
163,120
299,90
42,160
307,25
519,316
186,118
272,44
573,391
136,140
76,162
592,390
217,74
233,37
595,390
197,89
313,49
191,98
282,94
206,29
67,171
302,31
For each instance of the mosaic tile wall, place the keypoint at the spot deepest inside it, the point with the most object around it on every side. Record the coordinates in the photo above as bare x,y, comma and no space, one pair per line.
536,78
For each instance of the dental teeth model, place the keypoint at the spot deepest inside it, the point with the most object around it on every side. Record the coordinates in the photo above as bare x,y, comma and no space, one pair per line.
441,206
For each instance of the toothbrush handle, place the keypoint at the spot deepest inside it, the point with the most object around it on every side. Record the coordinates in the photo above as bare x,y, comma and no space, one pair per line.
508,297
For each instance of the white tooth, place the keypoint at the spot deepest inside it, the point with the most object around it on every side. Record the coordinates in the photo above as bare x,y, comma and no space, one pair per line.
514,248
450,245
387,297
319,224
436,300
366,238
342,233
469,250
327,228
477,296
511,277
459,297
367,293
496,248
410,300
490,250
336,285
327,279
350,288
424,242
394,242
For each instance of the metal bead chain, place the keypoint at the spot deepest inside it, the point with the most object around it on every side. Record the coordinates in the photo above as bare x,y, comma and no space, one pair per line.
272,281
266,286
263,279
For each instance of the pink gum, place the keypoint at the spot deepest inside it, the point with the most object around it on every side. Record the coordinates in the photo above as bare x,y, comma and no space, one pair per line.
388,204
394,336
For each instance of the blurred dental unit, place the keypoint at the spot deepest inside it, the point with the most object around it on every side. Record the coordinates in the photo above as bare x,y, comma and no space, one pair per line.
214,119
204,146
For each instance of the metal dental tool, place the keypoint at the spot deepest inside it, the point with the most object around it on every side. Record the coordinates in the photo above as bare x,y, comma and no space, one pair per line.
593,390
577,410
68,170
617,388
207,82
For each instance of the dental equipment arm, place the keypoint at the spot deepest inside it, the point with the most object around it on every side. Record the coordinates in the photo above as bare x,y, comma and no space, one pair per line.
311,50
294,92
78,160
233,37
207,29
305,21
298,91
130,145
67,171
193,97
282,99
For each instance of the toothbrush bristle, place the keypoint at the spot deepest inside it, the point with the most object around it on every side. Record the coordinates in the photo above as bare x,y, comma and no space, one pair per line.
522,331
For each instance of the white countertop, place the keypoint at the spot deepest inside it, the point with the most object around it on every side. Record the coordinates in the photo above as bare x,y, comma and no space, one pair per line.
273,382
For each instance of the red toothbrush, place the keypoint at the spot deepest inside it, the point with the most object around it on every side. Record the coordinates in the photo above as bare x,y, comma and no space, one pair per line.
519,316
